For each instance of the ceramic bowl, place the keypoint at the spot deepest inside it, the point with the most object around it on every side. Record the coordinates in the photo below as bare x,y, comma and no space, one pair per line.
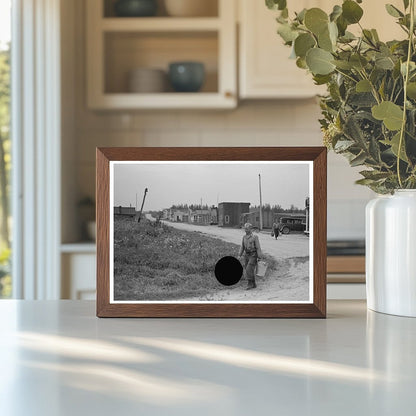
186,76
135,8
147,80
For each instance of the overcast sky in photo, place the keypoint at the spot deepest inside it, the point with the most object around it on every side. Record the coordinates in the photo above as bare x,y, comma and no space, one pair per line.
283,184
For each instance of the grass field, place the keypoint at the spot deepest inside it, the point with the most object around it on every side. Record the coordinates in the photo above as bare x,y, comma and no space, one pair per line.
162,263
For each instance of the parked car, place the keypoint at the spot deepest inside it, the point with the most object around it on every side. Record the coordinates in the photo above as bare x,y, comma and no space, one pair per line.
289,224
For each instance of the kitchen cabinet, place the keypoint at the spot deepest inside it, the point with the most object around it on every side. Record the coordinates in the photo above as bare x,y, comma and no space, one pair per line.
265,70
78,263
118,45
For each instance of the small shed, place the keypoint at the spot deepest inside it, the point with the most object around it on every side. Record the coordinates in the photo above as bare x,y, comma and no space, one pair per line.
229,213
125,211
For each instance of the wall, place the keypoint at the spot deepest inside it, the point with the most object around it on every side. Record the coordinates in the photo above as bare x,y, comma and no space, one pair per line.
253,123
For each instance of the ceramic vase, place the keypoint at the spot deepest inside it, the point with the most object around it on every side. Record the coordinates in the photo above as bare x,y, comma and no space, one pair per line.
391,253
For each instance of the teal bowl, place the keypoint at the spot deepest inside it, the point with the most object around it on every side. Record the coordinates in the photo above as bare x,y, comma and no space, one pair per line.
135,8
186,76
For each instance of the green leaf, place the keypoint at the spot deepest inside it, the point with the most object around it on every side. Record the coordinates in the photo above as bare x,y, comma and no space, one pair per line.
343,145
394,144
316,20
359,160
333,32
347,37
282,20
358,61
388,112
374,150
301,63
406,4
363,86
325,42
411,90
375,35
351,11
287,33
321,79
276,4
353,131
301,15
384,62
368,36
393,11
342,25
374,174
365,182
344,65
303,43
319,61
336,12
412,67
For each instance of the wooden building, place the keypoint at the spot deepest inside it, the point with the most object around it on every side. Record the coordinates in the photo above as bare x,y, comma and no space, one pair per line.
254,218
200,216
229,213
126,211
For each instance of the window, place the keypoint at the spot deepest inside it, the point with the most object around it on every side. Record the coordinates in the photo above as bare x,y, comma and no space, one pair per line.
226,219
5,145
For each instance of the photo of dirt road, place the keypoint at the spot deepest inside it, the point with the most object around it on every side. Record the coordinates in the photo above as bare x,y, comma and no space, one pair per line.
167,241
289,281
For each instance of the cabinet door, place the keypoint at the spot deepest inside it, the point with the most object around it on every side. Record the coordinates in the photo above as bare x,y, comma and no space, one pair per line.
78,276
265,68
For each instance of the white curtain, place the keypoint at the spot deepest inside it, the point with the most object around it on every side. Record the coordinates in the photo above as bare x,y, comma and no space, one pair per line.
36,148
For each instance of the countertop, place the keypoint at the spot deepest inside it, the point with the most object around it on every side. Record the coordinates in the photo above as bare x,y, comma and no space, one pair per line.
57,358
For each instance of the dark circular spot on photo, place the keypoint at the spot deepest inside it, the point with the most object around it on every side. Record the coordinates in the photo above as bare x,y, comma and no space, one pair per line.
228,271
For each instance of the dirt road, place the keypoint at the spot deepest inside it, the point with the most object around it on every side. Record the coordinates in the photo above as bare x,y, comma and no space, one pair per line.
290,280
285,247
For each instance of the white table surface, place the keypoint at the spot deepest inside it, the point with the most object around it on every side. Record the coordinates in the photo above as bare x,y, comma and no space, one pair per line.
57,358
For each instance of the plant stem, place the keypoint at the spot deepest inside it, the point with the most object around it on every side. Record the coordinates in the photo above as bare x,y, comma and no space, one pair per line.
346,75
406,80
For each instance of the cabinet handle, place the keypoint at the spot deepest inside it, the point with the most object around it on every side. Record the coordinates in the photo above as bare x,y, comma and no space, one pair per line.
229,94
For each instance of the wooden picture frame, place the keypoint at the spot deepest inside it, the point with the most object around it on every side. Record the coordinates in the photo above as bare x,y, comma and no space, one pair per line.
314,157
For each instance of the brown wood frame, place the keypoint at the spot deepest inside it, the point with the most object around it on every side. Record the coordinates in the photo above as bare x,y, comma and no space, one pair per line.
317,309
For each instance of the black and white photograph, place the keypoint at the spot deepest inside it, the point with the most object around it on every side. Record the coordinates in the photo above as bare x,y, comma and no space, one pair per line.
186,231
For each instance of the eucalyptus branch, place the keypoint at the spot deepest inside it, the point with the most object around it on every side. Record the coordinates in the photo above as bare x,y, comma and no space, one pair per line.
373,88
406,79
346,75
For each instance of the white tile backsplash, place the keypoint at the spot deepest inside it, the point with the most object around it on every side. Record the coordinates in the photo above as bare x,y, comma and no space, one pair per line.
346,219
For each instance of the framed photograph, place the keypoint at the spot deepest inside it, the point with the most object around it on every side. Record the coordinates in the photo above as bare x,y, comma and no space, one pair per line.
211,232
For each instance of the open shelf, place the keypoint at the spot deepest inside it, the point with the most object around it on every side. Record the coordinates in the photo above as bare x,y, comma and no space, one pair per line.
160,24
87,247
119,45
127,51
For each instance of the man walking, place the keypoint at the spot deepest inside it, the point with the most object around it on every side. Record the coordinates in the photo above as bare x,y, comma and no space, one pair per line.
275,230
250,247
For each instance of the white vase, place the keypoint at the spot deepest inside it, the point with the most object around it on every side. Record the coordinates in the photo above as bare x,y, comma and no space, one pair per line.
391,253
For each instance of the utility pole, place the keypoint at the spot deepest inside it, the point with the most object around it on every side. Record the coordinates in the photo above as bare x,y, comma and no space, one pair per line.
261,205
141,209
